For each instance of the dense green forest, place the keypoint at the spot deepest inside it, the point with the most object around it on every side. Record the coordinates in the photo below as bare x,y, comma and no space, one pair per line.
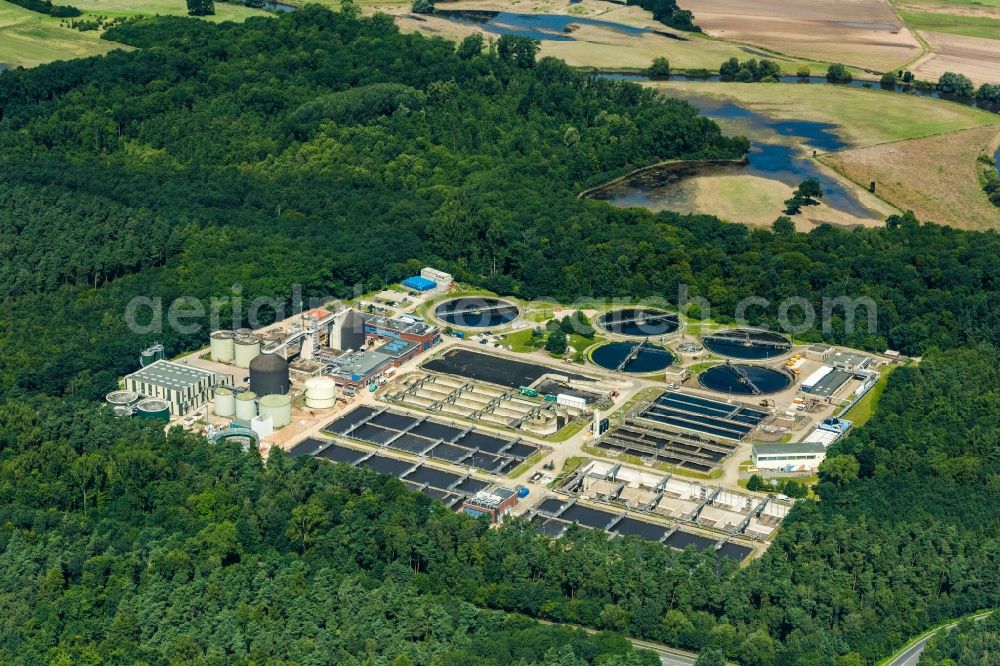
305,149
120,545
328,150
971,643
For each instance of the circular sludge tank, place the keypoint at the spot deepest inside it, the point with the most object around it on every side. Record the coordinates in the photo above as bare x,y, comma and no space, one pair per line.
269,375
246,349
222,346
744,379
246,406
122,410
747,344
632,357
476,312
321,392
153,408
122,398
279,408
639,322
224,401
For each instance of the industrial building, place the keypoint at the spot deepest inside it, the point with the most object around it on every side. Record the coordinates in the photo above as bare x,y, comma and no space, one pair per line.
440,277
185,388
407,328
796,457
418,283
496,504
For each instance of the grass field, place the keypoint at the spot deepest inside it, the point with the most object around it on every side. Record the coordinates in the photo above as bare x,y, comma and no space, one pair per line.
954,24
865,408
28,38
223,11
936,177
864,116
758,201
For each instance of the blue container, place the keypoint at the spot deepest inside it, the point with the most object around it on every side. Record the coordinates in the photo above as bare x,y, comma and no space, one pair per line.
522,492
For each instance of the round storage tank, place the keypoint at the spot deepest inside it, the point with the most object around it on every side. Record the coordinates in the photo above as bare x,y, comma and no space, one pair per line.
122,398
269,375
246,407
279,408
222,346
153,408
225,401
321,392
247,348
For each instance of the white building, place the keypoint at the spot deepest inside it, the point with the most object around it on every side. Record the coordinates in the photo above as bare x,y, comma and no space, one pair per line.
443,279
796,457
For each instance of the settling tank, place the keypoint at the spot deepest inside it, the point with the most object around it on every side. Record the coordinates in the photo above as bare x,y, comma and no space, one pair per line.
634,357
269,375
639,322
747,344
744,379
476,312
222,346
279,408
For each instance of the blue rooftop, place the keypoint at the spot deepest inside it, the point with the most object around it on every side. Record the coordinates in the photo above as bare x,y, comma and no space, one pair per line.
419,283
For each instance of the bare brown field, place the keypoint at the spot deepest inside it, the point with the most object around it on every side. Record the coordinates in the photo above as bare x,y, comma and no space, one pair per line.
977,58
592,46
945,190
863,33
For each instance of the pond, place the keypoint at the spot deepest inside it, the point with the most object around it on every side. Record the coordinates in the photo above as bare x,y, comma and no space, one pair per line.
779,151
543,27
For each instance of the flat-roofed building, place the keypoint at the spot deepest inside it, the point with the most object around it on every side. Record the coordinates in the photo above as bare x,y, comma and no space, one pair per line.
795,457
184,387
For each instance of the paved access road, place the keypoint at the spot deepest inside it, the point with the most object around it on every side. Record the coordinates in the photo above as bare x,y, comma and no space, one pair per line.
911,655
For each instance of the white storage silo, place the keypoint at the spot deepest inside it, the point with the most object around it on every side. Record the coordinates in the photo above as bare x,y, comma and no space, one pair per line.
321,392
225,401
279,408
246,406
247,348
222,346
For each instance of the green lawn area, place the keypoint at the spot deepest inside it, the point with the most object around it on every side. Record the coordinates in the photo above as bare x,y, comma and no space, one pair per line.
864,116
28,38
865,409
955,24
521,341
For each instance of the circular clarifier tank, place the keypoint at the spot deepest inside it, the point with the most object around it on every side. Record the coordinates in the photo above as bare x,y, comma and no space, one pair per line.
632,357
639,322
747,344
744,379
476,312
